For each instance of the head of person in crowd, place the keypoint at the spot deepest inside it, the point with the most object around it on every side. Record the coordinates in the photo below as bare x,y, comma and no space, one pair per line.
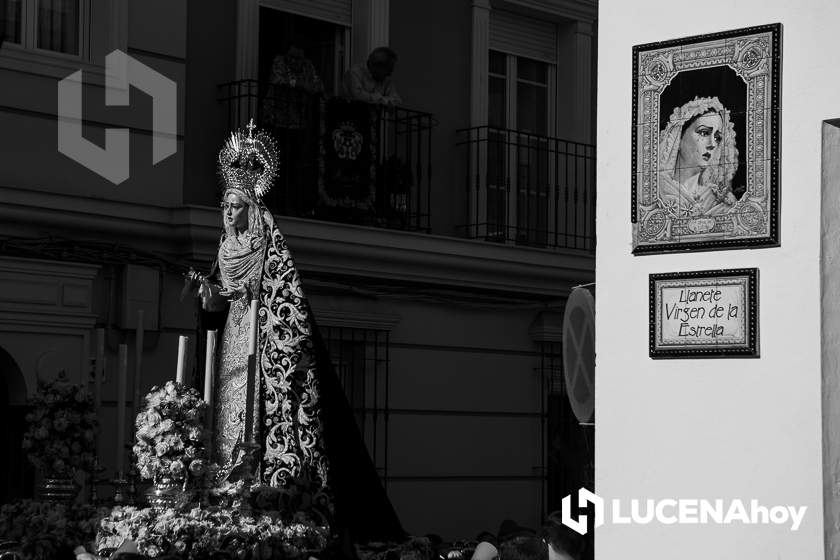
485,550
510,529
523,548
381,63
563,543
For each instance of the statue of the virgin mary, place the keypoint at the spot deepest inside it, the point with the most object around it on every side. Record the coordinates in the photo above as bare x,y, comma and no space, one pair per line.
302,422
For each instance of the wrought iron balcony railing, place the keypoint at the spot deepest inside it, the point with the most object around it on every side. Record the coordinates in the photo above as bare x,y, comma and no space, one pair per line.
529,189
341,160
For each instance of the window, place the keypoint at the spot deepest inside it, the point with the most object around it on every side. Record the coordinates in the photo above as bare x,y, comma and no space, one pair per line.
299,60
57,26
361,360
54,38
518,162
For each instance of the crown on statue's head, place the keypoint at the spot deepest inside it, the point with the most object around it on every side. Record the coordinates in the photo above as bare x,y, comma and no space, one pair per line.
249,161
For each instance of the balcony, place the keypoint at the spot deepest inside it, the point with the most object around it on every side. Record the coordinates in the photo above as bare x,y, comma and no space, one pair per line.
530,190
341,161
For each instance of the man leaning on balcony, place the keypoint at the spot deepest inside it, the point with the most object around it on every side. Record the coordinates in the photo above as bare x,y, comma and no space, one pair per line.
371,82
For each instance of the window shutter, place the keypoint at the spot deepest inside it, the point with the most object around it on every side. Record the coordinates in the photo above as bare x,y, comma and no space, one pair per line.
334,11
523,36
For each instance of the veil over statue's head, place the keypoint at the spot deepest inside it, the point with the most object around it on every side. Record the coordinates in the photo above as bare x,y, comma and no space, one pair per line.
248,164
723,168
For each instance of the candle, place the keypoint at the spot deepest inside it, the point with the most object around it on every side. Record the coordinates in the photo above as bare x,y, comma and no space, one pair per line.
138,343
100,368
252,335
209,367
182,359
209,380
121,388
250,385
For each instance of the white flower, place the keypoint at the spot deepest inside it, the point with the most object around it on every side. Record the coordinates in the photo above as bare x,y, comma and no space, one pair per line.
166,425
197,467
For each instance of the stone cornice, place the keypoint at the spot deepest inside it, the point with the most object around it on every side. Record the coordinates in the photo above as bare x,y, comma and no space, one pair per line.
191,233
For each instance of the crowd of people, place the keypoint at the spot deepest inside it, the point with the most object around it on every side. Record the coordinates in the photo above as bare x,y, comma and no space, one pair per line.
554,541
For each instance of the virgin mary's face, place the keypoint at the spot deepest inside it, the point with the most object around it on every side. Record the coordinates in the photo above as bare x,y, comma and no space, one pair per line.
701,142
235,211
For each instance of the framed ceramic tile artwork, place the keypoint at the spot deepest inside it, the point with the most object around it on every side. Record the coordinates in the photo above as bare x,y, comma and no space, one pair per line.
705,171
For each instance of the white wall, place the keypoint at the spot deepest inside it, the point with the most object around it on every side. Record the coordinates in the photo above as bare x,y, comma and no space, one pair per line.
728,428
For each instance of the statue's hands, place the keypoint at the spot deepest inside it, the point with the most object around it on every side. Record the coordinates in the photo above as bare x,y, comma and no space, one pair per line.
192,283
235,291
205,290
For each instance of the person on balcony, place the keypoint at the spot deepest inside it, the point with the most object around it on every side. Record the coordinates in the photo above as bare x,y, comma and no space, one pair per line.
292,108
294,84
296,71
371,82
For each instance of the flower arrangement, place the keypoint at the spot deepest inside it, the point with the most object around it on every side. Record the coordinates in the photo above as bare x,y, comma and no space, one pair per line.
45,530
298,500
170,436
61,436
214,532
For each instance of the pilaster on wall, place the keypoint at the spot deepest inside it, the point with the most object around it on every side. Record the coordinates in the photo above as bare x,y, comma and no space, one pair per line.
830,333
118,26
584,40
247,44
575,83
480,59
371,27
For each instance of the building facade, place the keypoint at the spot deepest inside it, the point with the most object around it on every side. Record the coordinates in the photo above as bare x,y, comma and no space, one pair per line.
437,267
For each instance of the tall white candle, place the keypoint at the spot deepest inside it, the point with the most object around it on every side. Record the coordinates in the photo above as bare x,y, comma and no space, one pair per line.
250,385
122,379
252,335
100,368
182,358
138,361
209,367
